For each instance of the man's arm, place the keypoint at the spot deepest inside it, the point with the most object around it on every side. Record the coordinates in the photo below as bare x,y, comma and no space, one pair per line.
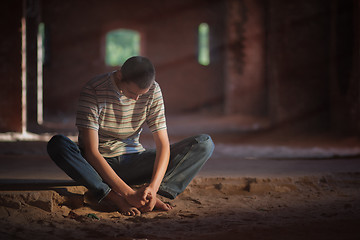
91,143
160,166
162,158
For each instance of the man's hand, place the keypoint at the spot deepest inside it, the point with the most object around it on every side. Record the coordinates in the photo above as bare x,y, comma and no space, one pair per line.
137,198
150,195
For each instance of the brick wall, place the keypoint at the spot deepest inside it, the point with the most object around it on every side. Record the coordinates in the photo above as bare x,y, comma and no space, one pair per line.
169,33
10,67
298,51
280,59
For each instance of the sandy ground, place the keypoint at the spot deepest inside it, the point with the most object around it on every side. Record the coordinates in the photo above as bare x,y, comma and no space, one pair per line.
318,207
263,185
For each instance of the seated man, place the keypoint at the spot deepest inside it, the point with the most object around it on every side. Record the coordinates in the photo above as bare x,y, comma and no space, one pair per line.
111,111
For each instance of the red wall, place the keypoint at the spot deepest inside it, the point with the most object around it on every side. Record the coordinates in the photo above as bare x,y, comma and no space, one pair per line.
169,32
284,60
298,51
245,58
10,67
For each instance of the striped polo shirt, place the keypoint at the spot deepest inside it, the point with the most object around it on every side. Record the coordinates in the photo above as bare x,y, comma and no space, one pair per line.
118,119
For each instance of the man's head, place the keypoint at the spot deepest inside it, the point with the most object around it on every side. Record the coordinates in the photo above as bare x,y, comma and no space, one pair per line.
138,70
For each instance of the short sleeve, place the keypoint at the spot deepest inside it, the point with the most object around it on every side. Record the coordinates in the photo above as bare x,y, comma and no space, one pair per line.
87,114
155,118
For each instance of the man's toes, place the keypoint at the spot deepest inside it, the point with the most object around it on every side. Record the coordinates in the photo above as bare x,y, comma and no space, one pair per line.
136,212
130,213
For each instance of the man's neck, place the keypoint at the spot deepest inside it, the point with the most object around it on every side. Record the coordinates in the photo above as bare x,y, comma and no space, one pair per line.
117,78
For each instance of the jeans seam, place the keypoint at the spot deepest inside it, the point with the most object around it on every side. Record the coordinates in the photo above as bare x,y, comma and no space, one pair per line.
179,164
105,195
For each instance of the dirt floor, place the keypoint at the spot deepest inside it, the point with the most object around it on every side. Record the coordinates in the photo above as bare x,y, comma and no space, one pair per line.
318,207
276,184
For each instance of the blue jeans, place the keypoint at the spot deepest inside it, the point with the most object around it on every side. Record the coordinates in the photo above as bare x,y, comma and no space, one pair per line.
186,159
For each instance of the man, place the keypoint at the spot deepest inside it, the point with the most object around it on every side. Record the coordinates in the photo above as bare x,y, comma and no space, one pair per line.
111,111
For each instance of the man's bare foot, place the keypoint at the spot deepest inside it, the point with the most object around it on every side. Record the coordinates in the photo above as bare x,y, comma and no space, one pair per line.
123,206
159,205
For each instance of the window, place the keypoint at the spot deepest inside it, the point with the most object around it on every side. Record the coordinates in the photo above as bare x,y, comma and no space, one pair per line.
203,44
40,64
120,45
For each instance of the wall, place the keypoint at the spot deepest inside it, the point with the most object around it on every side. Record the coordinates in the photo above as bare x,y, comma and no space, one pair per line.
344,66
298,51
169,31
10,67
289,61
245,58
172,42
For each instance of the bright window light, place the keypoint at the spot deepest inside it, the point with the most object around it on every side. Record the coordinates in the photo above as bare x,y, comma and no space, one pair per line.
120,45
40,64
203,44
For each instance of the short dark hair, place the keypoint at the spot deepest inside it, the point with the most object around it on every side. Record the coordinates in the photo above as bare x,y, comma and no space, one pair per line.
139,70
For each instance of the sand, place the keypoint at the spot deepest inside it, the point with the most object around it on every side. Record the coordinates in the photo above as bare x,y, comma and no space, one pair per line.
312,207
288,193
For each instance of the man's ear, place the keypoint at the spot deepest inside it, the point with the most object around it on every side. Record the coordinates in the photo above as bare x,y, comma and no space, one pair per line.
118,75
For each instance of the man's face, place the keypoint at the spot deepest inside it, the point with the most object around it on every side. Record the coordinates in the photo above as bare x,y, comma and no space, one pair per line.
132,91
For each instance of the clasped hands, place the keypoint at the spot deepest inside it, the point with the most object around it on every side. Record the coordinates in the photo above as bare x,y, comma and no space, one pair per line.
143,198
